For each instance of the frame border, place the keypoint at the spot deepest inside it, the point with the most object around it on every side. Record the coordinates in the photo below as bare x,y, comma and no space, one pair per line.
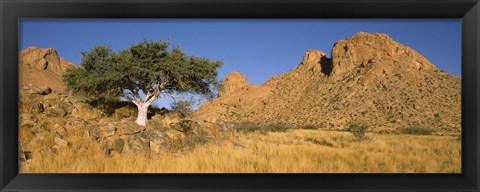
467,10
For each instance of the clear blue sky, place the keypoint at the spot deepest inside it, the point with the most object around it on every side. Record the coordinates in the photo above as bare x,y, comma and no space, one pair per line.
258,48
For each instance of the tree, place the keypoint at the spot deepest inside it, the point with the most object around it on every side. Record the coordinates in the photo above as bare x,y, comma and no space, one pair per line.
149,68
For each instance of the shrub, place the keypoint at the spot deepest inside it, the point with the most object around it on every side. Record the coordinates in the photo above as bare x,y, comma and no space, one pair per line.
263,128
358,130
312,127
246,127
202,137
183,108
417,130
275,127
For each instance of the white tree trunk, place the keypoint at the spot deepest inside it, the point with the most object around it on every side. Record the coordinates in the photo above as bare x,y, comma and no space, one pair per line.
142,106
142,114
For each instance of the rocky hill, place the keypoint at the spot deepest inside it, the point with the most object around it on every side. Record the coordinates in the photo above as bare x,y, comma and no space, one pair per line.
42,67
368,78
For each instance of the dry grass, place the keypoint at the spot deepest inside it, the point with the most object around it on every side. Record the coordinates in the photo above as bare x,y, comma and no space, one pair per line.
296,151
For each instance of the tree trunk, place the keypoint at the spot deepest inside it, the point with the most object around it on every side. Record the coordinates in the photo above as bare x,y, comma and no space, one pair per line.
142,114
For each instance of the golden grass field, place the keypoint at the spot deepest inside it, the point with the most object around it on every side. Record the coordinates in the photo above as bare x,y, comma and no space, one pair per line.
294,151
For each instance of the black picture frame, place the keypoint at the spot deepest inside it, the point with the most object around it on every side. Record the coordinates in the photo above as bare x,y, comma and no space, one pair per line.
11,11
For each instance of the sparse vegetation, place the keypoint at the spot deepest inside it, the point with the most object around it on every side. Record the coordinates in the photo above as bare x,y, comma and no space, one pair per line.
417,130
246,127
298,151
312,126
358,130
261,128
276,127
183,108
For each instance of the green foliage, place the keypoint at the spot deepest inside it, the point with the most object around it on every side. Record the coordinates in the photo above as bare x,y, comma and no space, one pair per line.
417,130
183,108
150,67
358,130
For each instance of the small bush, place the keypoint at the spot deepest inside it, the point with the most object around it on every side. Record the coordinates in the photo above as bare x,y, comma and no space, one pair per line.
183,108
202,137
275,127
417,130
312,127
358,130
262,128
246,127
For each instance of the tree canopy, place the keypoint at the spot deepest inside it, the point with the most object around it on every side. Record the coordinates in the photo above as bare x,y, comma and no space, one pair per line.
149,67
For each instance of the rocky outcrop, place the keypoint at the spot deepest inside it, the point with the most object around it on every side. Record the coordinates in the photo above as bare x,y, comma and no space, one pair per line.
51,121
42,68
364,48
232,83
44,59
369,78
316,62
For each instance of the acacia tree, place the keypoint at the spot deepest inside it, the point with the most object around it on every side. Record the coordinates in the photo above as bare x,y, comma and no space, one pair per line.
142,73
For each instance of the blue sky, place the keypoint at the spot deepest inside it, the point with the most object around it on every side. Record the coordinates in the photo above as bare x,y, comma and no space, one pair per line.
258,48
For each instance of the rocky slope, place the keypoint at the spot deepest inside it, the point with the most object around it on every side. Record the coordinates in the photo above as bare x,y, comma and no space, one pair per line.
51,119
368,78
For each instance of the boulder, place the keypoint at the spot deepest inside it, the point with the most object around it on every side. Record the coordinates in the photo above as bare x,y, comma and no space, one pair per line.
158,139
139,143
128,127
316,62
114,146
124,112
55,112
101,131
27,121
60,143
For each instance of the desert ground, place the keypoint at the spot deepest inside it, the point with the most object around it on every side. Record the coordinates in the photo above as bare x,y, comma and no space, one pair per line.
292,151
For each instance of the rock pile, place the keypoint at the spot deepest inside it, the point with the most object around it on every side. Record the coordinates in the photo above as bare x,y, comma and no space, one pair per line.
51,121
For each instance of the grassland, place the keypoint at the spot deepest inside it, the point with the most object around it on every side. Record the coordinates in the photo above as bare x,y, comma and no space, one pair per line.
293,151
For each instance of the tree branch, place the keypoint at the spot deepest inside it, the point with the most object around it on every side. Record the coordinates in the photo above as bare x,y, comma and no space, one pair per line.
151,100
175,99
158,88
137,102
148,97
